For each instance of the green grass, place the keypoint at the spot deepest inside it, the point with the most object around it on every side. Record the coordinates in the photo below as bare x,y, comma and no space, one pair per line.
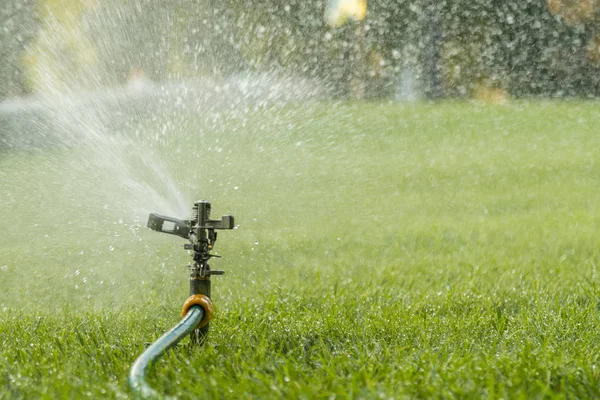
384,251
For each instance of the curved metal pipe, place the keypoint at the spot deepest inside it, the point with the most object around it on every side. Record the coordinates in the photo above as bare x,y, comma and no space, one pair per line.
139,369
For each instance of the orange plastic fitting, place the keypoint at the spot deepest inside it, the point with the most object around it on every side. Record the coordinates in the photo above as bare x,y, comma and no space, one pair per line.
202,301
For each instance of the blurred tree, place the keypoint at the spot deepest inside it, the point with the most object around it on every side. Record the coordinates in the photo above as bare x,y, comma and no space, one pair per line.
18,26
432,43
581,13
583,16
61,52
337,14
449,48
574,11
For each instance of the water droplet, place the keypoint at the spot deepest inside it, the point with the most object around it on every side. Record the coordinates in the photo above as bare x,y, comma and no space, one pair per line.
111,248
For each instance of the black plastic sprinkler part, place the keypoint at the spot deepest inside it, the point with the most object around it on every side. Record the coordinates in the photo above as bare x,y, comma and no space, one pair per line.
197,310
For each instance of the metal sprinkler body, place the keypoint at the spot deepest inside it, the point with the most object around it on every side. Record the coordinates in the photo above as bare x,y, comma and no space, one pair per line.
200,230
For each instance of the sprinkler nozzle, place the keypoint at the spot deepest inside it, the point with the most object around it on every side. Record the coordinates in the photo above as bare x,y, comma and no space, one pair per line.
173,226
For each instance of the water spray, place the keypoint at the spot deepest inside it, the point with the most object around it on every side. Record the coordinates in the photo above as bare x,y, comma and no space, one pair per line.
197,310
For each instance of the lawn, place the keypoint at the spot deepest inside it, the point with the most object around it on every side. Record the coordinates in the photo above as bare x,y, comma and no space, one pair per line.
384,250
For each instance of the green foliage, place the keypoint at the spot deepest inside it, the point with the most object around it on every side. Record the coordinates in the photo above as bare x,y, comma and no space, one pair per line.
384,251
520,47
61,56
18,26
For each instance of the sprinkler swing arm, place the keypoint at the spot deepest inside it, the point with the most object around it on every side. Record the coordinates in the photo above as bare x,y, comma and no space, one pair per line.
197,310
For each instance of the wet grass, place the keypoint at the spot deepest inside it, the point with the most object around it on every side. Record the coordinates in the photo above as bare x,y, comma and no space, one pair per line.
384,251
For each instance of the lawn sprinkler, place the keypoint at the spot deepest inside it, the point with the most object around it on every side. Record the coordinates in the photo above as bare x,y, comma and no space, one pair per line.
201,232
197,310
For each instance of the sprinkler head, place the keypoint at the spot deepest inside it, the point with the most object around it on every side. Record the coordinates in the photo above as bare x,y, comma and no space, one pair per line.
199,230
183,228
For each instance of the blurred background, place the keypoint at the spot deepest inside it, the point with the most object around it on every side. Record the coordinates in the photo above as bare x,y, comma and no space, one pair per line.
391,49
